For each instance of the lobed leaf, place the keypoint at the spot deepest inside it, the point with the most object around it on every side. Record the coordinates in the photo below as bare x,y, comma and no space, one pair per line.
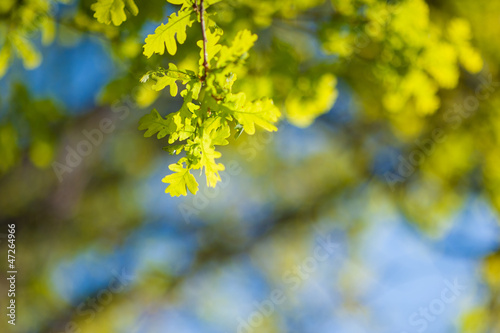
154,123
166,34
239,48
207,161
261,112
180,180
113,11
212,47
169,77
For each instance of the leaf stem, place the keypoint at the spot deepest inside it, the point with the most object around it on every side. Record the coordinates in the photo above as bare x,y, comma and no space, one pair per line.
204,35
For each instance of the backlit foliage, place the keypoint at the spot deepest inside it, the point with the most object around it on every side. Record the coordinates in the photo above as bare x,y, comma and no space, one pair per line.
107,11
210,108
23,20
377,76
407,58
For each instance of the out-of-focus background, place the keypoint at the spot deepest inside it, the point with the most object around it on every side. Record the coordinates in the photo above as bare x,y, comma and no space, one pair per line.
374,208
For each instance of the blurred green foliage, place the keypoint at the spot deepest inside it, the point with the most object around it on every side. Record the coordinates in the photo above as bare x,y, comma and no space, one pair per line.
411,67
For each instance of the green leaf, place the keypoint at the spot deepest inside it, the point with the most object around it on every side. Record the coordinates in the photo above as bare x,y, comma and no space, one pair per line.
166,80
5,56
154,123
180,180
239,129
193,88
168,77
178,2
25,49
238,50
184,127
174,149
113,11
132,7
207,161
261,112
219,131
166,34
212,2
184,120
212,47
48,29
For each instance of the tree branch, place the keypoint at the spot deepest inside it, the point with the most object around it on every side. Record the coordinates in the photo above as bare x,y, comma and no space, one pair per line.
204,34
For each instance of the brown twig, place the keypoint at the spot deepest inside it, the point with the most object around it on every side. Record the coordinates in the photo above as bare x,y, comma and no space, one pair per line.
204,35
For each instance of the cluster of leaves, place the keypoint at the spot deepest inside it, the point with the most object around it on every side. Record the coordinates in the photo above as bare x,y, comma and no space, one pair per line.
410,59
410,55
210,108
113,11
289,69
19,22
29,126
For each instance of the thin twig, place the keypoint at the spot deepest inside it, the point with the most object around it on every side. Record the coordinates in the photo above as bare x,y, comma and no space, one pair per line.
204,34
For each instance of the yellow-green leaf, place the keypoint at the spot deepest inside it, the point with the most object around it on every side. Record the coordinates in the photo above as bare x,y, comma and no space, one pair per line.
132,7
261,112
48,29
208,156
25,49
179,181
212,47
113,11
155,123
163,81
165,35
243,41
5,55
